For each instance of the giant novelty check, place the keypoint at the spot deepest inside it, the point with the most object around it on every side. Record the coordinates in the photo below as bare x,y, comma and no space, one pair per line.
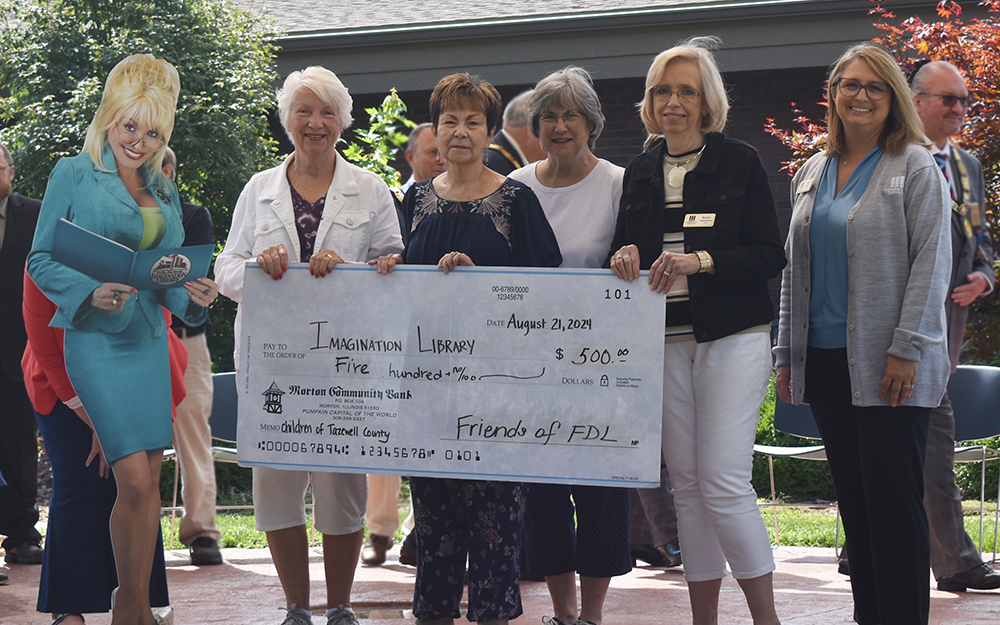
541,375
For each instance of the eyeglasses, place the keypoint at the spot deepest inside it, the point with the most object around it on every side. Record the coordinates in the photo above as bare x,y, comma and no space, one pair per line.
851,88
129,137
569,117
3,169
684,94
950,100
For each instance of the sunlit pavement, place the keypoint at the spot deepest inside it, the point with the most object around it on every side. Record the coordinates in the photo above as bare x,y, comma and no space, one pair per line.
245,590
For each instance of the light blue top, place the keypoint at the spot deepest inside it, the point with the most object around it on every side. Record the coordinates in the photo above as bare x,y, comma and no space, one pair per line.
828,244
900,269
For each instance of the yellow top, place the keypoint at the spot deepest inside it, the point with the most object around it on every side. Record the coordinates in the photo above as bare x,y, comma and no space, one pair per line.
153,227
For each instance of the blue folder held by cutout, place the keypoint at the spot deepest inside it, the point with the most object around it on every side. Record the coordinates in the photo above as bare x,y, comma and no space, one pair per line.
109,261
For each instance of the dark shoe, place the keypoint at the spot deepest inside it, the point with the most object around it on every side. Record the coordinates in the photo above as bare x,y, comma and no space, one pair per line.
205,552
672,553
980,577
649,555
843,564
373,553
408,550
4,579
28,552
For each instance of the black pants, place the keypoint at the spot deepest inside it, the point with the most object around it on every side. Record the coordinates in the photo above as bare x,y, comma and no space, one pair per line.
876,456
18,463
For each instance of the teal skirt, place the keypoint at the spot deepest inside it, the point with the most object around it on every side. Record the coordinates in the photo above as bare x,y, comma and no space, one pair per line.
123,381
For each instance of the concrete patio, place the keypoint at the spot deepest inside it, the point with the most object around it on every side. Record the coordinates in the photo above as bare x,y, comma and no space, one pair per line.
245,590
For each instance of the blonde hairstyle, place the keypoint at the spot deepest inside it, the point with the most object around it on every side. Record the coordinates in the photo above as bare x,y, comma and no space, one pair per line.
902,126
145,89
697,50
327,88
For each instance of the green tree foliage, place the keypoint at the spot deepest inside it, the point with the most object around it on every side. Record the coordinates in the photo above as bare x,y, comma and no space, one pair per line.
375,146
56,54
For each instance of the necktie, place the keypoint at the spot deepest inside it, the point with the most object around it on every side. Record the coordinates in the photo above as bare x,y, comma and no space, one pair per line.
942,162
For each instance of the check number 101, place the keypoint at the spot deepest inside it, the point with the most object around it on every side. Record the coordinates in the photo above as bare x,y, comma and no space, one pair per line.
616,294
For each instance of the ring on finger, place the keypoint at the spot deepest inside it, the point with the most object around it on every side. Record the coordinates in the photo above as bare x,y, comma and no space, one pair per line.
207,292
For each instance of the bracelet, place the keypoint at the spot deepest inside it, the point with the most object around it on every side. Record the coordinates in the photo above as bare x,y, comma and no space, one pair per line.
706,261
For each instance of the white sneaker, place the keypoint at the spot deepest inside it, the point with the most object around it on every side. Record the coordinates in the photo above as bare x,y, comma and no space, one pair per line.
164,615
297,616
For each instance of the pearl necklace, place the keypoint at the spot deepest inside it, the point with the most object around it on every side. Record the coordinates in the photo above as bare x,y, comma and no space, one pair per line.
675,177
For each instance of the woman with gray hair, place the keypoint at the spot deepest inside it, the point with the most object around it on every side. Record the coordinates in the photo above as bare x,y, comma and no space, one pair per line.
698,213
580,194
341,214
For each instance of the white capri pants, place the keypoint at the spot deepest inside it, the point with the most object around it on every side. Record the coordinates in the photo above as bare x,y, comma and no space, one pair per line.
712,394
339,500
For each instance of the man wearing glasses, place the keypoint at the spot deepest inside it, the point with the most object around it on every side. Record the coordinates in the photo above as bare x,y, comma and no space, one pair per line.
18,430
942,101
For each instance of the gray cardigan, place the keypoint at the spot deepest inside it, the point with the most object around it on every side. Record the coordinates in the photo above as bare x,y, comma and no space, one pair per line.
899,266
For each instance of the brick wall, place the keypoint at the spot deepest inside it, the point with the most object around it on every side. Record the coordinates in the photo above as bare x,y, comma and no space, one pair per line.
754,97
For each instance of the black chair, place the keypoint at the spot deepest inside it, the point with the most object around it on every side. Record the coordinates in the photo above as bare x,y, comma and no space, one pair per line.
797,421
223,418
222,422
974,391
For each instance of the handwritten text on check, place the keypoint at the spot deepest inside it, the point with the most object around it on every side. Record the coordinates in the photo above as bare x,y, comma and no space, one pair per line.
544,375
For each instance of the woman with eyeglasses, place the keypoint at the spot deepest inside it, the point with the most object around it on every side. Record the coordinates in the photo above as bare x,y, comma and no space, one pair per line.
862,330
572,529
698,213
115,342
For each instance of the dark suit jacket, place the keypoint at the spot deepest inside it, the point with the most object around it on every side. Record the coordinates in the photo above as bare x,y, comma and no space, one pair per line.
198,230
22,215
497,160
969,254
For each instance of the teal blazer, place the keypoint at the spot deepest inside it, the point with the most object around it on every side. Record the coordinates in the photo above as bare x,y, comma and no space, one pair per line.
98,201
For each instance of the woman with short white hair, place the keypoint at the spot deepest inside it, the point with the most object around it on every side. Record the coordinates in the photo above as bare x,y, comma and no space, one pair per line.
340,213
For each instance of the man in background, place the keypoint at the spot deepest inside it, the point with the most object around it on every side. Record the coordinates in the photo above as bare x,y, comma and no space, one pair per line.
942,101
514,146
18,430
192,434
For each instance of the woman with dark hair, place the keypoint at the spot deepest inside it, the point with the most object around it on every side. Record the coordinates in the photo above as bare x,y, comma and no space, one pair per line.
862,330
469,216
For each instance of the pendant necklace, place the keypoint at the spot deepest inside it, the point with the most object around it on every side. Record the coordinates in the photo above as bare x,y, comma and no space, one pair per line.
675,177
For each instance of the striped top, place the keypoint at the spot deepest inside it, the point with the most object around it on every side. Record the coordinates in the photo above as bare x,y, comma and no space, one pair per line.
678,302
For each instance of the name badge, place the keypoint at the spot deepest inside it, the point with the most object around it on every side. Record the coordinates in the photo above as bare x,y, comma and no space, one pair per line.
699,220
805,186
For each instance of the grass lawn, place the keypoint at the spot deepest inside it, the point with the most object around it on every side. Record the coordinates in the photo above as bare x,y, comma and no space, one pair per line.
798,526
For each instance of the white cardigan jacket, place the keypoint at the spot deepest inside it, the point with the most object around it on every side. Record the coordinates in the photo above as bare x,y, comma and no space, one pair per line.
359,223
